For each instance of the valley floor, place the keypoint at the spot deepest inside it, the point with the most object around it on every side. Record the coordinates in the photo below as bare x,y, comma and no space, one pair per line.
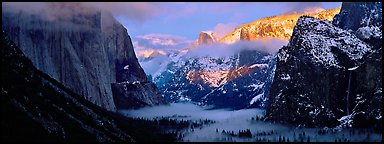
229,125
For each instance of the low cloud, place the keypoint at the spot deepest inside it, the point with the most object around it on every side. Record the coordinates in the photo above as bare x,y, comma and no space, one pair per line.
49,11
154,56
222,29
139,12
154,50
300,7
156,64
160,42
271,45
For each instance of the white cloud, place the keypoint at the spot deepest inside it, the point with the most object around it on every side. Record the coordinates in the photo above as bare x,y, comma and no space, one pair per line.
222,29
160,42
299,7
136,11
271,45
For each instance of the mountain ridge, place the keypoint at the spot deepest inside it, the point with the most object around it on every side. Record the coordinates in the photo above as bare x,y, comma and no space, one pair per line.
279,26
324,76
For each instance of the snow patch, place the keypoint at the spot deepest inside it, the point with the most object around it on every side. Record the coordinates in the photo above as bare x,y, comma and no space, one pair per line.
320,37
256,86
259,65
126,67
182,98
285,77
256,98
354,68
346,120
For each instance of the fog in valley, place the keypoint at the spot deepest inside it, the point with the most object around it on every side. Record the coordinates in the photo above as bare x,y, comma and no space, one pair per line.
240,120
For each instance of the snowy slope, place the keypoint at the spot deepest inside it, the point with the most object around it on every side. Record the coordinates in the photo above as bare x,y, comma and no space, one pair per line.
228,81
330,75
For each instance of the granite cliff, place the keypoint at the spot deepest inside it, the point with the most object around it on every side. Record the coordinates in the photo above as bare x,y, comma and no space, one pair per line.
86,50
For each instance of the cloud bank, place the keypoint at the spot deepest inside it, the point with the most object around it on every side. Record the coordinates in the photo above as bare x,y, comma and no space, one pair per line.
223,29
161,41
270,45
136,11
155,51
300,7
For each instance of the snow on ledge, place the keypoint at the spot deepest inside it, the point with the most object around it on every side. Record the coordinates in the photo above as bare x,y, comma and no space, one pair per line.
256,98
354,68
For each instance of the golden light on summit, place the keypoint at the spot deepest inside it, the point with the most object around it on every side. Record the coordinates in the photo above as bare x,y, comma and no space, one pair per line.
280,26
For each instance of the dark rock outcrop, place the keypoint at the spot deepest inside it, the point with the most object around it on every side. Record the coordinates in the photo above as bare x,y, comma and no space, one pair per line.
125,69
364,19
134,95
328,76
354,15
47,106
86,50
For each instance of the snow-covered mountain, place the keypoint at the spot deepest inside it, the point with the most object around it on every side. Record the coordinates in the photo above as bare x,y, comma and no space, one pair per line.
280,26
156,51
222,81
330,74
238,80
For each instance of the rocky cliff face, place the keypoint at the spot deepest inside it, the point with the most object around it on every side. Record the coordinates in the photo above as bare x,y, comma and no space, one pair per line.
324,76
354,15
365,21
280,26
36,107
206,38
86,50
125,68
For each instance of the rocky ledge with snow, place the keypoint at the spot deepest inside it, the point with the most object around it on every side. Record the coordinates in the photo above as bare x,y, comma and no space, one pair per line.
328,75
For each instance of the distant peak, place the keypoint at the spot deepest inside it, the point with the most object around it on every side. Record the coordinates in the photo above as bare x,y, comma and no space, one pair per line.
206,38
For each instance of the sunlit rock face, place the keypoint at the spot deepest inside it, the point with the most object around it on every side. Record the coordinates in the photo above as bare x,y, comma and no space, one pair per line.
86,50
280,26
325,75
150,53
215,78
206,38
